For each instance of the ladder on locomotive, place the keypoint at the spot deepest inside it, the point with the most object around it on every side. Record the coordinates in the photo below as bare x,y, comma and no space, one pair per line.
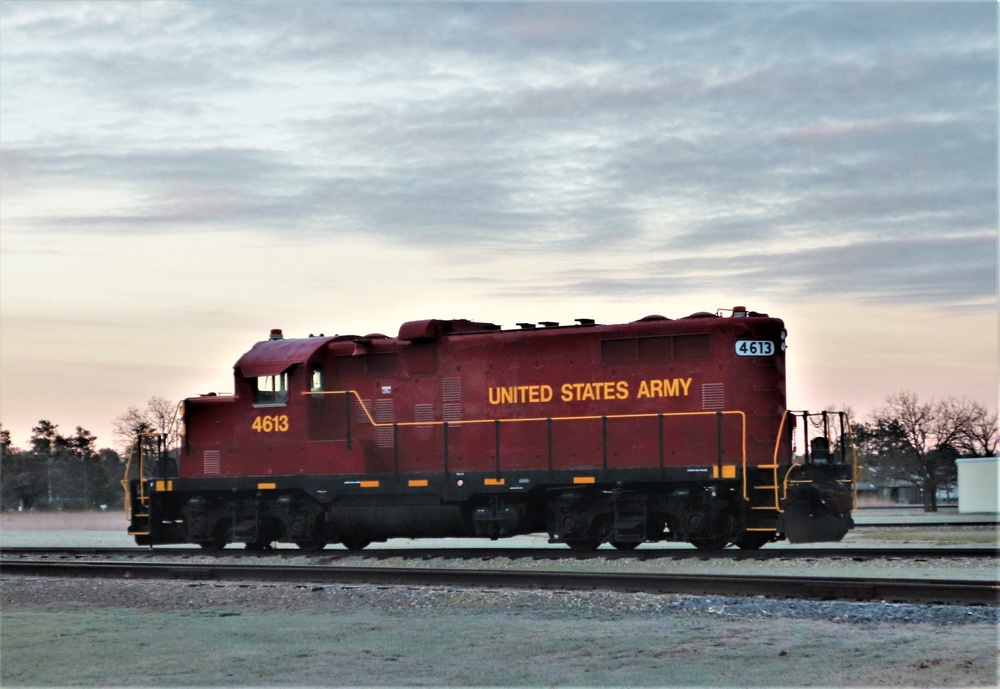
763,485
761,494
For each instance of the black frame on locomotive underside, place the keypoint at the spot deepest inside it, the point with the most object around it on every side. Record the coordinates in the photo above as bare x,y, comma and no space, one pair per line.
583,508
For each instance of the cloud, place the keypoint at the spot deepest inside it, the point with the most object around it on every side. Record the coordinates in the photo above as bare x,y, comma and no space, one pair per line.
674,129
192,172
958,272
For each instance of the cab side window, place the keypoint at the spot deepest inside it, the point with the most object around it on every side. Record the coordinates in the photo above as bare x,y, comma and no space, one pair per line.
271,390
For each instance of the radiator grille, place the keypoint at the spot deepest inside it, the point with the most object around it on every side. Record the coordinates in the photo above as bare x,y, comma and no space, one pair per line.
656,350
618,351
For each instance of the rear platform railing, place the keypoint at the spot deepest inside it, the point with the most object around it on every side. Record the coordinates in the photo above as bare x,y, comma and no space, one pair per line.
149,452
832,444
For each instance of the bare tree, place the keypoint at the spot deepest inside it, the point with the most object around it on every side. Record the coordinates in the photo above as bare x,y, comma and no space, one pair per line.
159,416
981,438
159,457
162,413
925,438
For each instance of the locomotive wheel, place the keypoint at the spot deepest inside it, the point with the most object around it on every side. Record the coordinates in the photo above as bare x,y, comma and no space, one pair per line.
625,545
584,544
212,545
311,545
753,540
716,543
356,543
259,545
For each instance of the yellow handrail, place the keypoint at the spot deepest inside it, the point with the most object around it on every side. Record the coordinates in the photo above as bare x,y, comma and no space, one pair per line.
784,484
128,468
854,461
536,419
848,432
592,417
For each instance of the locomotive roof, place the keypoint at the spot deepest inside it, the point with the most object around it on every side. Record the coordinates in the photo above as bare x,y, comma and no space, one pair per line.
274,356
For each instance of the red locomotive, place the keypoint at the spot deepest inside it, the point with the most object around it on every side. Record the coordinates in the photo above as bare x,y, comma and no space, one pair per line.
653,430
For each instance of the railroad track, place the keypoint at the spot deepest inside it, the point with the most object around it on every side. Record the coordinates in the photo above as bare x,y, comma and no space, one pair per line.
937,591
916,524
640,555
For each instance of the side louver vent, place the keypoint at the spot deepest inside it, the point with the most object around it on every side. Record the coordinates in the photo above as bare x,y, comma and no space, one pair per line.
451,398
423,412
385,412
212,462
713,396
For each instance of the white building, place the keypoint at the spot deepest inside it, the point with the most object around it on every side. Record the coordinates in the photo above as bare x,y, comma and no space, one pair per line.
978,485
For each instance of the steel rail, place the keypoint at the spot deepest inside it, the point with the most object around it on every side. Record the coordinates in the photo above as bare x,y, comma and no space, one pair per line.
487,553
926,591
925,525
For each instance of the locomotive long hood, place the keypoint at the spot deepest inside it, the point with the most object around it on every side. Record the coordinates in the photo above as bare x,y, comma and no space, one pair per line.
647,431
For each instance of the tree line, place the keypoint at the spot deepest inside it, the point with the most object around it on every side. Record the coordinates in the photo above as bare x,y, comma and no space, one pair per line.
69,472
904,440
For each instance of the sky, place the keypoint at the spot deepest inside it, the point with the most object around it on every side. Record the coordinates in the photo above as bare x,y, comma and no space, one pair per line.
177,178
